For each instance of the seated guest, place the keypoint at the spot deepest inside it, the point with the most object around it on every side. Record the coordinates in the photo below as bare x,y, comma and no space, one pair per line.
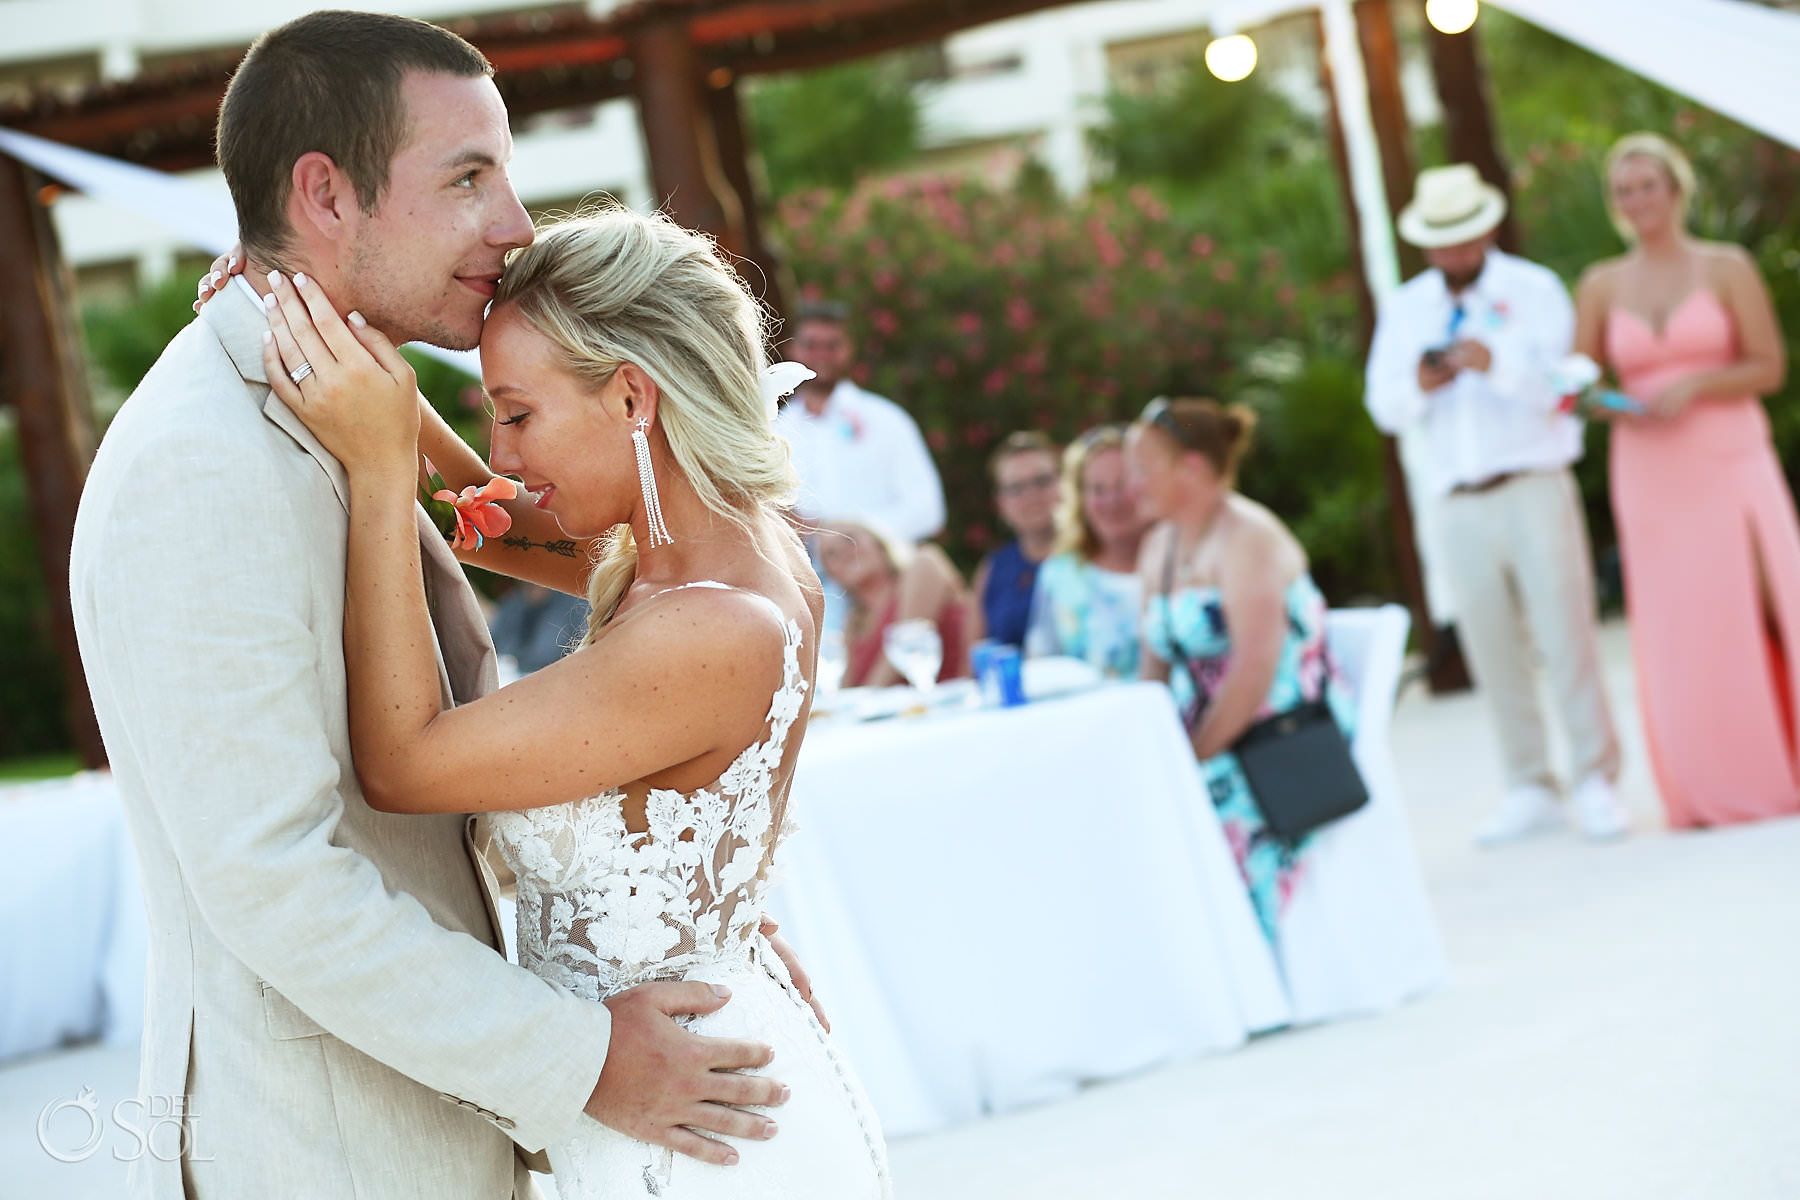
887,582
1026,487
858,456
1232,620
1087,592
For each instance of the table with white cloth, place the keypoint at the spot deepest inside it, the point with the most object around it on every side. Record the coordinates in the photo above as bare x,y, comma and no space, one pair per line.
997,906
72,933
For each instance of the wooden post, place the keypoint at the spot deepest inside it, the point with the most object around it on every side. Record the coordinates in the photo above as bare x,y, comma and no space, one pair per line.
733,146
43,378
1462,90
1340,159
1445,668
684,159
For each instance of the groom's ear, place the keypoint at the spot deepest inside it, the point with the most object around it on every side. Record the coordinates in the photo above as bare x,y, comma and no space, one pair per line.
323,198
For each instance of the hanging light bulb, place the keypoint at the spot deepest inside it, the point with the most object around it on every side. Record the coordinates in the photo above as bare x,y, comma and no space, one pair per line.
1231,58
1452,16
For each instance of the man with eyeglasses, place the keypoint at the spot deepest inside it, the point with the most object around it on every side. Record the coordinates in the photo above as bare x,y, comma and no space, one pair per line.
1466,351
1027,473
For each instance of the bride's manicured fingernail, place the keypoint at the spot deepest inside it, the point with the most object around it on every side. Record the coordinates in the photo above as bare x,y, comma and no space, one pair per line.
299,281
268,336
721,991
216,278
356,319
274,278
231,265
269,301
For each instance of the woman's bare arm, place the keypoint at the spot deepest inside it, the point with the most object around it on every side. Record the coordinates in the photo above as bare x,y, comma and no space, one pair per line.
1153,560
1256,574
1592,295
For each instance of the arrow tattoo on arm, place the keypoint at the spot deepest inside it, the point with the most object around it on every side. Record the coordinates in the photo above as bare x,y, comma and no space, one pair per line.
564,547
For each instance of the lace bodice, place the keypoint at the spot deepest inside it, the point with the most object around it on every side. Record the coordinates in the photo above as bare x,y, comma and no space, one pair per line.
602,909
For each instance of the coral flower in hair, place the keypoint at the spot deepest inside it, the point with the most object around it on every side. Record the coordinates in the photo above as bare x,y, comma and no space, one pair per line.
478,517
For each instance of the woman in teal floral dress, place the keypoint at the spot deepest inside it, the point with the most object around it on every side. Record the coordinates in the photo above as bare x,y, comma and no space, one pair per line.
1232,620
1088,597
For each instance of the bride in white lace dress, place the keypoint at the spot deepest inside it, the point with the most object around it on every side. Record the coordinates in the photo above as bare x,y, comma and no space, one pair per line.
638,787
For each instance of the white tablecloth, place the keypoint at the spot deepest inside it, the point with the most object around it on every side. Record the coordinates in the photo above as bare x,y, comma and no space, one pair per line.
997,906
73,943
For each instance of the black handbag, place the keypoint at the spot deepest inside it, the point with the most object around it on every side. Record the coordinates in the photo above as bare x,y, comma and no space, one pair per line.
1297,763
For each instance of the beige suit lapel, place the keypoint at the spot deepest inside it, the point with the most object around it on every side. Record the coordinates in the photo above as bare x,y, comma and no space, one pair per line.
467,667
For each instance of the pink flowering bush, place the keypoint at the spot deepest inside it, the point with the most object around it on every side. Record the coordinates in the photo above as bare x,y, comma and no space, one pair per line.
983,312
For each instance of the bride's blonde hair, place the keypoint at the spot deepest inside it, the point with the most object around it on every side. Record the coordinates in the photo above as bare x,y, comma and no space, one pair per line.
613,286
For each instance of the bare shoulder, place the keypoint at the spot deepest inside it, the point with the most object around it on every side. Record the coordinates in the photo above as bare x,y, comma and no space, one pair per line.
1727,264
1598,279
1727,254
1257,534
701,631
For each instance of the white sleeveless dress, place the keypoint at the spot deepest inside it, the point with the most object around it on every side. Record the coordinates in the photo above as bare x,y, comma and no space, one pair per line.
602,910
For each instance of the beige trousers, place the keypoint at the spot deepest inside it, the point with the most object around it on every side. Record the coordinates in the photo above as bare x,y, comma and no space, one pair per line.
1518,560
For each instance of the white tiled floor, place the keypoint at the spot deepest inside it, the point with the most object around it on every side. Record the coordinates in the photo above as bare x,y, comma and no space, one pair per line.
1623,1022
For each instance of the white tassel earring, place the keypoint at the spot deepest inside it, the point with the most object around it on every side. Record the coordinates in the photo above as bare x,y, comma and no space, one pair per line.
653,514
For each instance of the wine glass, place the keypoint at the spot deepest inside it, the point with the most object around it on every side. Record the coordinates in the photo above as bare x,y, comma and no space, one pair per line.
833,659
917,652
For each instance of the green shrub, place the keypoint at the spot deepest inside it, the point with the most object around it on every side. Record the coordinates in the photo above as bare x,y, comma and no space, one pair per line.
31,686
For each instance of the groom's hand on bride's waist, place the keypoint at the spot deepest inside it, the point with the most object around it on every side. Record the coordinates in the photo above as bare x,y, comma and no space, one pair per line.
661,1083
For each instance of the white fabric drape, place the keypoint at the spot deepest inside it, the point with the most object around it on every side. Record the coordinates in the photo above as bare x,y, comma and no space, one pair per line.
1731,55
200,213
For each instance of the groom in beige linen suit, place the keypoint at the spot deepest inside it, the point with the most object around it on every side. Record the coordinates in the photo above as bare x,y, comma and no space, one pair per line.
328,1000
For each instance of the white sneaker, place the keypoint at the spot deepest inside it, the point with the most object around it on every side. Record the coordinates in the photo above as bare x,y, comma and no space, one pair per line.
1524,811
1598,811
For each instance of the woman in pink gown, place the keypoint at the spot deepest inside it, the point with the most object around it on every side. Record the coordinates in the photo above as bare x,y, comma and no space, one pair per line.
1707,527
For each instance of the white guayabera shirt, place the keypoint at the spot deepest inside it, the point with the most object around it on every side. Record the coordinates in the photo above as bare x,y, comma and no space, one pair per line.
863,459
1482,423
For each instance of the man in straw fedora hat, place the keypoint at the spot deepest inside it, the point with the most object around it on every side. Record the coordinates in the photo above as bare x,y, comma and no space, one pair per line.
1466,351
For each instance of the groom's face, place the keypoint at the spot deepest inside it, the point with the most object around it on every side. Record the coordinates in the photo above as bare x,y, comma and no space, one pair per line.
424,265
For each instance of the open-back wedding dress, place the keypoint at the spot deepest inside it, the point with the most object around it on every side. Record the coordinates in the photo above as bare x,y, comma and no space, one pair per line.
603,908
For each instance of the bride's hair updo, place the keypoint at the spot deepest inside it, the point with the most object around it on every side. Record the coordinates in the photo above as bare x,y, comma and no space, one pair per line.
614,286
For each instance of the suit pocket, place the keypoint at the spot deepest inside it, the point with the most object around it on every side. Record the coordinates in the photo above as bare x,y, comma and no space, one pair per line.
284,1018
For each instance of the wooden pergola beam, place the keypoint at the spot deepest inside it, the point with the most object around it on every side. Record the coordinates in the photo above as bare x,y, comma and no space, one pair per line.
543,63
685,173
44,381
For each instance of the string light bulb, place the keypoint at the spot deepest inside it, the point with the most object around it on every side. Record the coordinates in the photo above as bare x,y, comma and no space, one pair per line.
1452,16
1231,58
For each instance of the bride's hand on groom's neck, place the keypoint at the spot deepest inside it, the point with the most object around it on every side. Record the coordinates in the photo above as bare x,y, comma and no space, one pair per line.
346,381
219,274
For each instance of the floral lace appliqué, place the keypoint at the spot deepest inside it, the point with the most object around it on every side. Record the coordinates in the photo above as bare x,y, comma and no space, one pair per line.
602,909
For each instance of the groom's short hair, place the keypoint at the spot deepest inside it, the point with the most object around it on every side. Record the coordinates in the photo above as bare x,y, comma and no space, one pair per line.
328,81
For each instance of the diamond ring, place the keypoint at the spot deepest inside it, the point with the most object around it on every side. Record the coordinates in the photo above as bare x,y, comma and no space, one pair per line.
300,372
